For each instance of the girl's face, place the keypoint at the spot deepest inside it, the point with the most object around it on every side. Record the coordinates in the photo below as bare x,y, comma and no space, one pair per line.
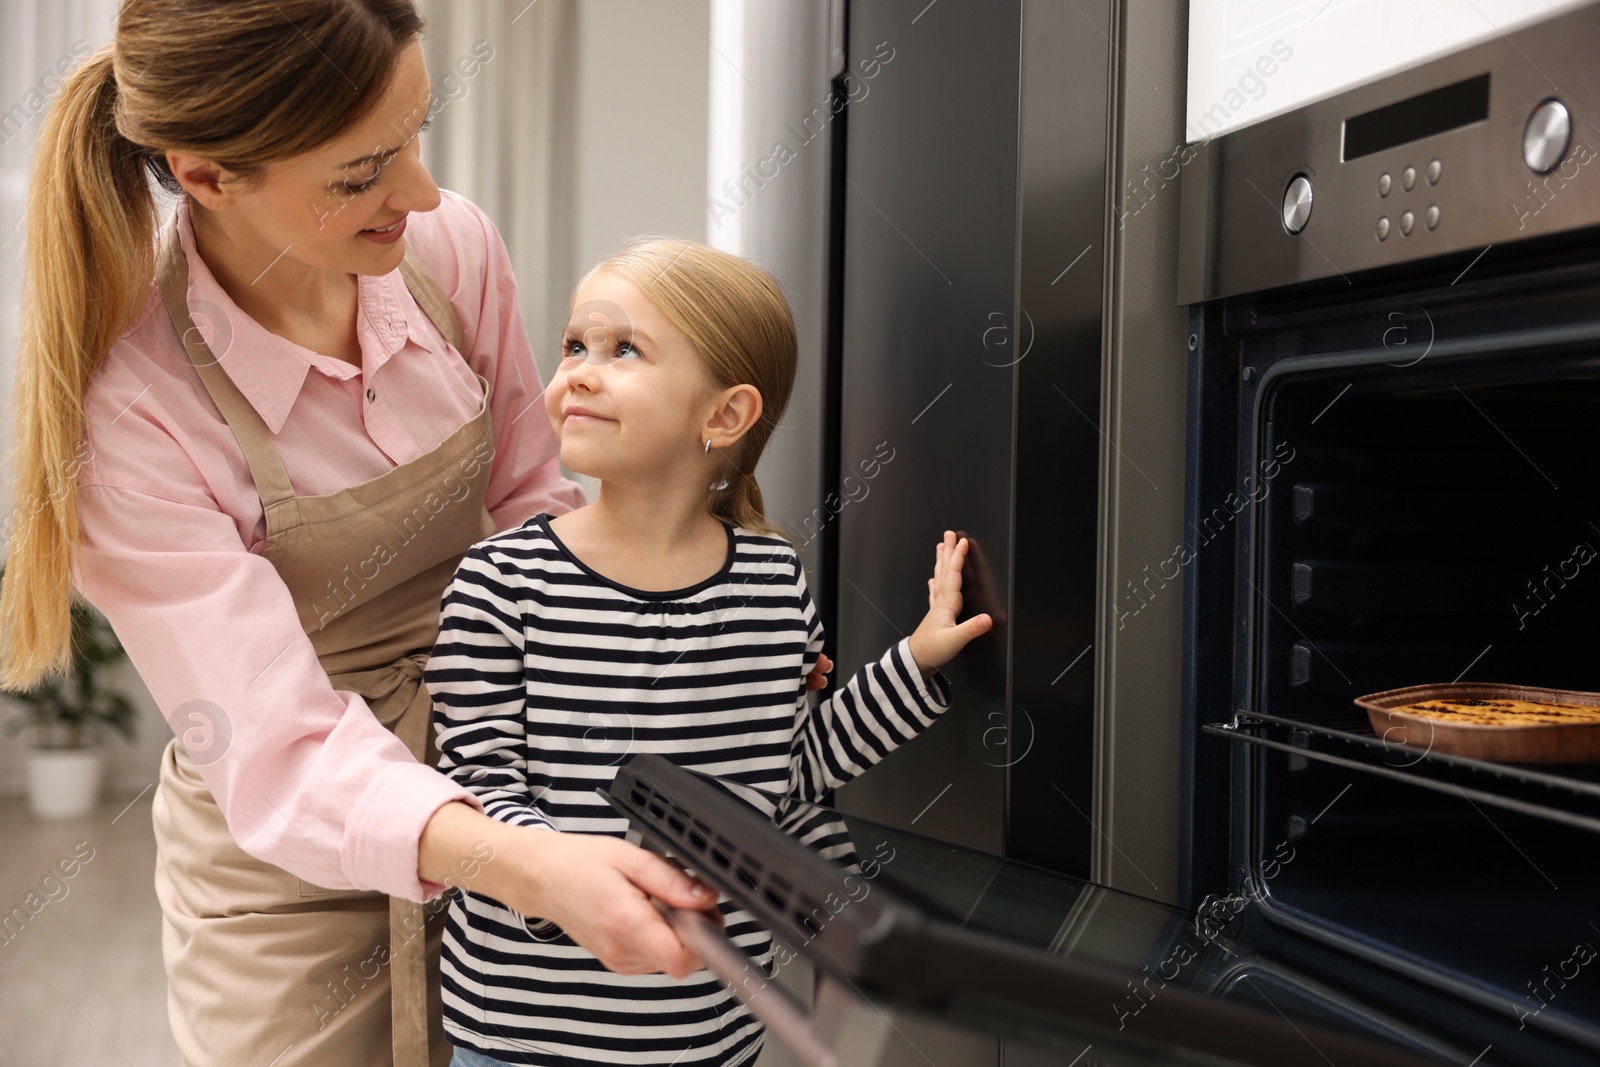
630,396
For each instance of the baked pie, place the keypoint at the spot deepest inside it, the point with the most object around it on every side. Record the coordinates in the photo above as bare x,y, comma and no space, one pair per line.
1504,712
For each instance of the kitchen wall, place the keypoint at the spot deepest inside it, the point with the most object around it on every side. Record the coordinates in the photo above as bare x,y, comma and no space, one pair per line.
586,125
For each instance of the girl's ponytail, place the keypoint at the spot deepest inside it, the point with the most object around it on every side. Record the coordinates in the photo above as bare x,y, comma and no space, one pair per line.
89,261
737,499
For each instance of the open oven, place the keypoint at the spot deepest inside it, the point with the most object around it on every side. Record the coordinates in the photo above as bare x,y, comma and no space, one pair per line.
1394,376
910,934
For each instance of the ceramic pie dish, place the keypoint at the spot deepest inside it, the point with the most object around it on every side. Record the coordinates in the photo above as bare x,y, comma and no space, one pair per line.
1506,723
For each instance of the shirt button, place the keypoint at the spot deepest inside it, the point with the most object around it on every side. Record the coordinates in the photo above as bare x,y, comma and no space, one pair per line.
371,395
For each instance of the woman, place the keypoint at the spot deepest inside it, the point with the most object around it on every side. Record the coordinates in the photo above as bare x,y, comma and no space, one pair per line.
258,438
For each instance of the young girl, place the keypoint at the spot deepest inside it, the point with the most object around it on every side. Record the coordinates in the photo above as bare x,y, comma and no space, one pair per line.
667,616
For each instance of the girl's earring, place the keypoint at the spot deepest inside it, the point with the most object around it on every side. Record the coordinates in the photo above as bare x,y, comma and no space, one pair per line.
708,446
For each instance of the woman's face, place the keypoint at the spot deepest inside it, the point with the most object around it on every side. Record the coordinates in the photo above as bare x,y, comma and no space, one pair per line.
314,207
640,380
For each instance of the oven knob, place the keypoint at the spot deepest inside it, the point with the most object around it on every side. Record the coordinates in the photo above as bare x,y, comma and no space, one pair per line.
1545,137
1297,204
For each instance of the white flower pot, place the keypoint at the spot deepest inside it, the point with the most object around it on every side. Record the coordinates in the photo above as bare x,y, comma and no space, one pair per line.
64,783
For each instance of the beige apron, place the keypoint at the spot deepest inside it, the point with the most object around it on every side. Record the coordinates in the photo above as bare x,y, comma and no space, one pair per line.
262,967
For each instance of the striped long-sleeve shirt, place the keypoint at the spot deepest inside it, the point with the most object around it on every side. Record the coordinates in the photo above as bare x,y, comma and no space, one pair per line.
546,675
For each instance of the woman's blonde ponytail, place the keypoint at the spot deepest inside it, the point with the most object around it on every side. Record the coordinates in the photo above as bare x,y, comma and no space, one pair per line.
87,270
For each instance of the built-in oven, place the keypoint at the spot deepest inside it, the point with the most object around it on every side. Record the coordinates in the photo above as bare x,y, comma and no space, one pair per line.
1394,380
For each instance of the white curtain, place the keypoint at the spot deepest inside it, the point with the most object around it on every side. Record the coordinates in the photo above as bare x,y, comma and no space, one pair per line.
587,127
36,42
498,131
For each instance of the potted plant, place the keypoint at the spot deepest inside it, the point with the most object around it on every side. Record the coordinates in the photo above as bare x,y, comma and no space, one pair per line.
68,716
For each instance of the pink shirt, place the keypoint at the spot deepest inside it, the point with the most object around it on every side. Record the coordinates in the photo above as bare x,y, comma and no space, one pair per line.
172,533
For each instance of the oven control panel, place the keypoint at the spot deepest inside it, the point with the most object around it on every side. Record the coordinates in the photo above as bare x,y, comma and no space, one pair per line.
1411,213
1483,147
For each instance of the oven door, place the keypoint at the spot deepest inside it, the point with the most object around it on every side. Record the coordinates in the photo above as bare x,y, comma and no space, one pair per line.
1065,971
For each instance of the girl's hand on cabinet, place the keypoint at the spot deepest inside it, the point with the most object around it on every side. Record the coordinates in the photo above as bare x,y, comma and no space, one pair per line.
938,638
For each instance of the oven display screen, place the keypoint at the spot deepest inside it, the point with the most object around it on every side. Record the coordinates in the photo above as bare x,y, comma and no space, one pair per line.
1421,116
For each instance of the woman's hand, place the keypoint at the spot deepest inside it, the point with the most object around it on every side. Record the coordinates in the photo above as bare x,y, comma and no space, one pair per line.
818,676
939,637
596,888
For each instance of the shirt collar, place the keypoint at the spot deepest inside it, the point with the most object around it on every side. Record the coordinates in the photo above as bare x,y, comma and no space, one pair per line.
270,370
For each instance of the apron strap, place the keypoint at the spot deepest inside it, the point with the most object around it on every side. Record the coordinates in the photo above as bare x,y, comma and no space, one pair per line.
408,983
431,299
172,274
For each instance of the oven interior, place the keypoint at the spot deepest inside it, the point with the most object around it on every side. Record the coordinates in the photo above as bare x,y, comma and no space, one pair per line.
1433,520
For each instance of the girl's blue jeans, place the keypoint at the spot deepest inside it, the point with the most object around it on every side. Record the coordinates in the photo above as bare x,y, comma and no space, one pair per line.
465,1057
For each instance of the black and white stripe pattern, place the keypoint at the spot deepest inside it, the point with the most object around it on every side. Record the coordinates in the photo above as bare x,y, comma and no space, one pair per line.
545,677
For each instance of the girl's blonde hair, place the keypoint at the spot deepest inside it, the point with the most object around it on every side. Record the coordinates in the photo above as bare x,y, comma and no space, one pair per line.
245,84
737,318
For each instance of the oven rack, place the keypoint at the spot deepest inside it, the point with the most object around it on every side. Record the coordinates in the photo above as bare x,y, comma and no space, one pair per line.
1569,795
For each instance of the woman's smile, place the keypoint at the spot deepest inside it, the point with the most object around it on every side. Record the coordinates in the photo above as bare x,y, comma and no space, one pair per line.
387,234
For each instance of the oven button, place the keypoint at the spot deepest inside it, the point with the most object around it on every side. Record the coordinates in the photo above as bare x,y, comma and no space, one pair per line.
1434,169
1430,218
1408,178
1384,184
1545,137
1383,228
1297,204
1407,221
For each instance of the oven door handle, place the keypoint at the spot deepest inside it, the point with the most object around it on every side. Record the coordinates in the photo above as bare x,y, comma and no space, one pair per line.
771,1004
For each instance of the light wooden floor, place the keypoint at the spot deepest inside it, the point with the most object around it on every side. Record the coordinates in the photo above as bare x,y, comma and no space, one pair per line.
81,983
